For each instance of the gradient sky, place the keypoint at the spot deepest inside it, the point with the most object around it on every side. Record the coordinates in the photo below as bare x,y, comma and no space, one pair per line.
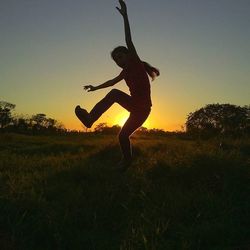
50,48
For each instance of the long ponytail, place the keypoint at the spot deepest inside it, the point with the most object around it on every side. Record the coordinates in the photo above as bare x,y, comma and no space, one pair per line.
152,71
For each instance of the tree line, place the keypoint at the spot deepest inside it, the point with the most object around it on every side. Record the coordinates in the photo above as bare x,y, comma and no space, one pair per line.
38,123
210,120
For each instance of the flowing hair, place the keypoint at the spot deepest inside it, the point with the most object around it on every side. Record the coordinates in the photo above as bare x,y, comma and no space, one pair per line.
151,71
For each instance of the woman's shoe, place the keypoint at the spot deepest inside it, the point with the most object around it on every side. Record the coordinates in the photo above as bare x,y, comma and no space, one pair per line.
83,116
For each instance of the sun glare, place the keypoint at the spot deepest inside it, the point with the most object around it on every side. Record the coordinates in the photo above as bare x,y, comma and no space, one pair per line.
122,117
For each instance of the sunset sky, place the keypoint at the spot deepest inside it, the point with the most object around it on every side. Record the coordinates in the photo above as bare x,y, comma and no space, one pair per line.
49,49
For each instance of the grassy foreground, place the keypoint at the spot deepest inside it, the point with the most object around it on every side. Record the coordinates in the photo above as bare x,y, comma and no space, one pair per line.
62,192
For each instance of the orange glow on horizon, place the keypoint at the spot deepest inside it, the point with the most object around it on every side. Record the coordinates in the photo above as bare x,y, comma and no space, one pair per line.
72,123
121,118
79,127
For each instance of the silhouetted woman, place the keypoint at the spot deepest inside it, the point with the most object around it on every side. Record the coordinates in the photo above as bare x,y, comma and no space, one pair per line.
135,73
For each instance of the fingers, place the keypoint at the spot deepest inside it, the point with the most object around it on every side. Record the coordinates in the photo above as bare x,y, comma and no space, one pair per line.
123,9
87,87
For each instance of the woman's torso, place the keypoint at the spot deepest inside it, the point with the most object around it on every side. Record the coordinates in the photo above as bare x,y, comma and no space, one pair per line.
138,82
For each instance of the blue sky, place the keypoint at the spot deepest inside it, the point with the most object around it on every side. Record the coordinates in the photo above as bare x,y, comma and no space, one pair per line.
49,49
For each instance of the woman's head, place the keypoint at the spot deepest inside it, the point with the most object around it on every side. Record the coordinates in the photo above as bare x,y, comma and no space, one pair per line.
119,55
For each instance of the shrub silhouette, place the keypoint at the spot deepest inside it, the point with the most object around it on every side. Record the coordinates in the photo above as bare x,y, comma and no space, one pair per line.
219,118
5,113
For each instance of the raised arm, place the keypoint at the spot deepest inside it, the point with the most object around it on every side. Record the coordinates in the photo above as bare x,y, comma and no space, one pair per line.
128,38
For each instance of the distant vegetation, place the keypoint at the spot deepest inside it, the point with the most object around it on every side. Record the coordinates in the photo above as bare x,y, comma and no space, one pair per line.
38,123
208,121
217,119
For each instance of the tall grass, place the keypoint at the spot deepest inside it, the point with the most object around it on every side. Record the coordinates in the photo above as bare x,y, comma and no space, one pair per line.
63,192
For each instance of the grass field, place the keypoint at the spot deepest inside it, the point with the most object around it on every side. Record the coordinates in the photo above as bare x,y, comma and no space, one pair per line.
62,192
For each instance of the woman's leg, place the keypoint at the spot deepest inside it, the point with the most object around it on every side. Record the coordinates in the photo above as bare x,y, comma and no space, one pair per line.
135,120
113,96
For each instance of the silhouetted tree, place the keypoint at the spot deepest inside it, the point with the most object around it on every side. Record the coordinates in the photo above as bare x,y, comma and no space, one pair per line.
112,130
156,131
38,121
105,129
21,123
5,113
142,130
218,118
100,127
53,125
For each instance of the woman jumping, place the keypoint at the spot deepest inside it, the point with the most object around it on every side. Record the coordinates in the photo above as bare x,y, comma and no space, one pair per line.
138,103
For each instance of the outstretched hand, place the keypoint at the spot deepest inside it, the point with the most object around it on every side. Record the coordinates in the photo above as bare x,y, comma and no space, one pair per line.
89,88
123,9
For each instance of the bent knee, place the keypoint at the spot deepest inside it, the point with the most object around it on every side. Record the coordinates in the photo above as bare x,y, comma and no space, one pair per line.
113,92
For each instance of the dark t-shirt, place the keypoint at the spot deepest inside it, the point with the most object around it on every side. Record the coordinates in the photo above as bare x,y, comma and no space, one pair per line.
138,82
